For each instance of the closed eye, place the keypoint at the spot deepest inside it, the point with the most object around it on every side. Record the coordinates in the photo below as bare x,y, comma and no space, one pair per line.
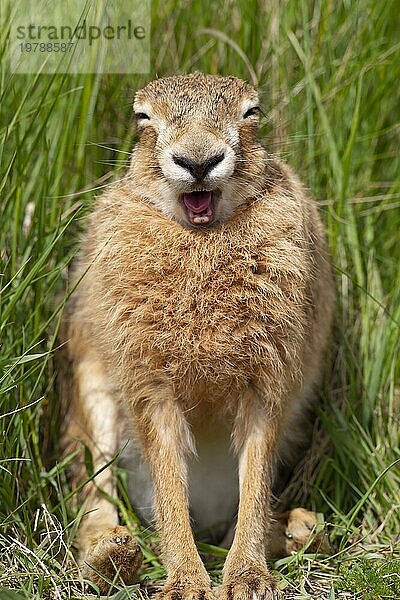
251,112
140,116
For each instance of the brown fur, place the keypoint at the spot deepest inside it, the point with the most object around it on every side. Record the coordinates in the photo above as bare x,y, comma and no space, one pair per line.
186,325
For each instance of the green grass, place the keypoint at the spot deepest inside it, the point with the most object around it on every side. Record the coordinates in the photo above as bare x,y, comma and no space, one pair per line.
328,74
372,578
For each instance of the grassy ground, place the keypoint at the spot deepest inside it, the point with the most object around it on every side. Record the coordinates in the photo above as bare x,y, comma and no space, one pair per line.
328,73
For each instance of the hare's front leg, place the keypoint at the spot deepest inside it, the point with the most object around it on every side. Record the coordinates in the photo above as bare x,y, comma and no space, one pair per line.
166,442
246,575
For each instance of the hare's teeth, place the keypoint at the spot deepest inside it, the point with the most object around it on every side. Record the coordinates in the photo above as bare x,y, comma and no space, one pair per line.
201,220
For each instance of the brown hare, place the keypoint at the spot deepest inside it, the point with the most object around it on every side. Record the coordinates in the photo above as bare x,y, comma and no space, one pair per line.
196,339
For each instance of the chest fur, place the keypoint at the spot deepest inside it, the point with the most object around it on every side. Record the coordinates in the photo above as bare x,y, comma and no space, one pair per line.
223,301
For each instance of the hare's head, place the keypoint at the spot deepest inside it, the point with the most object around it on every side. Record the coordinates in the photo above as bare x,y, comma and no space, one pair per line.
198,155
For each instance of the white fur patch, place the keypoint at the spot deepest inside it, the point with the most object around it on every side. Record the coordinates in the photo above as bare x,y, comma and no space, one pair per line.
233,135
213,480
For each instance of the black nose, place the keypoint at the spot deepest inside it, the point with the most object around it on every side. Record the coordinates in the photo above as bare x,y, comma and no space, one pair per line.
198,170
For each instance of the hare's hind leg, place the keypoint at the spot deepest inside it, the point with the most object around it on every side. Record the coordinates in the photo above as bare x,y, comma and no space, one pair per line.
296,529
106,550
289,532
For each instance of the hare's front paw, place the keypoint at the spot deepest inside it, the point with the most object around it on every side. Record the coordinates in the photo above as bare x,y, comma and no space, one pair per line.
113,555
249,583
184,589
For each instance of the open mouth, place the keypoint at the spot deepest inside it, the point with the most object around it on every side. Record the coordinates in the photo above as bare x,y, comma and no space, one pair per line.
199,207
